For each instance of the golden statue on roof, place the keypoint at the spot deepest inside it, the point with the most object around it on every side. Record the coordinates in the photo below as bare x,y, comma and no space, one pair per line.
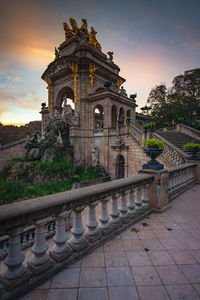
76,31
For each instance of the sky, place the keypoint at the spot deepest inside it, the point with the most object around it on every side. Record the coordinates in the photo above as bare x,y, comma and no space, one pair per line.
152,40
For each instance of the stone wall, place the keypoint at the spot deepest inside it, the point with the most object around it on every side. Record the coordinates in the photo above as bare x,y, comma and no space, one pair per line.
17,150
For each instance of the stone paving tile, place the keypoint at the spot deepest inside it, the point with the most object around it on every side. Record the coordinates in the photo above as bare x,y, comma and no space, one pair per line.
93,294
158,226
123,293
192,272
182,257
171,244
128,234
131,245
44,286
67,278
114,245
160,258
145,276
93,260
181,291
163,234
155,292
153,244
36,295
62,294
180,234
171,275
146,235
138,258
196,286
92,277
116,259
195,254
190,244
119,276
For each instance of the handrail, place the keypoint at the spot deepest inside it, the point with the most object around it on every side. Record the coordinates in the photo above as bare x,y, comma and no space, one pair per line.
194,133
23,213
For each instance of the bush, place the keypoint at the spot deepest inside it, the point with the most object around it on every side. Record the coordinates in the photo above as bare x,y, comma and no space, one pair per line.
191,145
151,143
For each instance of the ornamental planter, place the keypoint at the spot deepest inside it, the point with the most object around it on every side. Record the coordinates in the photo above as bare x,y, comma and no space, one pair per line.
193,152
153,153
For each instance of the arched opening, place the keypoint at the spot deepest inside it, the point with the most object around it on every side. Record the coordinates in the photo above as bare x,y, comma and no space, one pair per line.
128,116
98,117
121,116
65,97
120,167
114,116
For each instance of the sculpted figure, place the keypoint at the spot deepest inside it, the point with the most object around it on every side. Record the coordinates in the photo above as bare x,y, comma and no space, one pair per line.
84,26
68,31
95,157
92,39
75,28
57,53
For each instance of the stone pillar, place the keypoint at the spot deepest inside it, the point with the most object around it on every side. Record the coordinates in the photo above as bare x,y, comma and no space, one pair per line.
158,191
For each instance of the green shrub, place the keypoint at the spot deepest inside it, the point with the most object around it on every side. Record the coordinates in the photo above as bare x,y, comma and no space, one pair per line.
191,145
152,143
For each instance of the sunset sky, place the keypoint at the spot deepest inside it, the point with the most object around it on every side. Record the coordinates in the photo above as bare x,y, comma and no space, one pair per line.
152,40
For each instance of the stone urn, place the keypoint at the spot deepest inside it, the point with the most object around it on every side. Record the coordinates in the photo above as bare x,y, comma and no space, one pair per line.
193,152
153,153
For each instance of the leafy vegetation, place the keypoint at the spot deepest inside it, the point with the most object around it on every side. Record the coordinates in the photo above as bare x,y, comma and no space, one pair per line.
152,143
191,145
179,103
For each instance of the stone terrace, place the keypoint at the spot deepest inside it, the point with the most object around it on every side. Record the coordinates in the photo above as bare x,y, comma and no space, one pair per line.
158,259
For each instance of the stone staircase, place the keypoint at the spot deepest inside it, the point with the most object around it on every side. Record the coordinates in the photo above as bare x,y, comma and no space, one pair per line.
179,139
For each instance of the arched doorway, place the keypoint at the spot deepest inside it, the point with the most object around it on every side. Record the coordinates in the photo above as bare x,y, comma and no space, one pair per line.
98,117
120,167
114,116
64,97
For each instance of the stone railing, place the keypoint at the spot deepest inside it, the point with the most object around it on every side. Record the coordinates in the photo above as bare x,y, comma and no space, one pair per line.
14,143
87,233
135,133
171,153
90,182
180,179
189,131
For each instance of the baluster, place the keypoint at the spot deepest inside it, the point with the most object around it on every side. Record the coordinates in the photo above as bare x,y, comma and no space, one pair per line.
104,218
123,209
131,203
114,211
138,200
145,198
78,240
61,249
92,233
16,272
41,260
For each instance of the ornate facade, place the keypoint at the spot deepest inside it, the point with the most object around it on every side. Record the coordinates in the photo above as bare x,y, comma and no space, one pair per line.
102,110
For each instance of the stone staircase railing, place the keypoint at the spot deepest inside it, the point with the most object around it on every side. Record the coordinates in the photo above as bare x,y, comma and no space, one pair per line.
17,277
189,131
171,153
135,133
14,143
180,179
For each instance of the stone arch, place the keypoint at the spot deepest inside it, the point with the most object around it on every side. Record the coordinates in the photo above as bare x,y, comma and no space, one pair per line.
113,116
68,92
120,166
121,116
98,117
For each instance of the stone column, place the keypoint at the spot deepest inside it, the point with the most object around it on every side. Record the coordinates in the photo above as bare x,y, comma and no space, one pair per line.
78,240
92,234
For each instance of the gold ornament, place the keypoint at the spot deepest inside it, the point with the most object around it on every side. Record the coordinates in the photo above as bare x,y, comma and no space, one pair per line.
92,70
74,68
119,83
48,81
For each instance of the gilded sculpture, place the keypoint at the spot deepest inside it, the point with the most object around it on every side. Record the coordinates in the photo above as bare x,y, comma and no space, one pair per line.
74,68
119,83
76,31
48,81
92,70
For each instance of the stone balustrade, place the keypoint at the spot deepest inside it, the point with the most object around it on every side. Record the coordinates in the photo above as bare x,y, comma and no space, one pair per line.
171,153
99,213
135,133
194,133
180,179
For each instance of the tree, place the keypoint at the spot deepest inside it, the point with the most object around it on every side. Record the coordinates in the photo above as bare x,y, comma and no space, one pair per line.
181,101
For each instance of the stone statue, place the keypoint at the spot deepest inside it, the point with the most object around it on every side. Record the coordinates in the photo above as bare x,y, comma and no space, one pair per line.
92,39
123,91
75,119
75,28
68,31
83,27
95,157
119,141
110,56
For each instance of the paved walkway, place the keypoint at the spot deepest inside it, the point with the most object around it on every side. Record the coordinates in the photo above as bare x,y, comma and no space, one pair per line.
158,259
